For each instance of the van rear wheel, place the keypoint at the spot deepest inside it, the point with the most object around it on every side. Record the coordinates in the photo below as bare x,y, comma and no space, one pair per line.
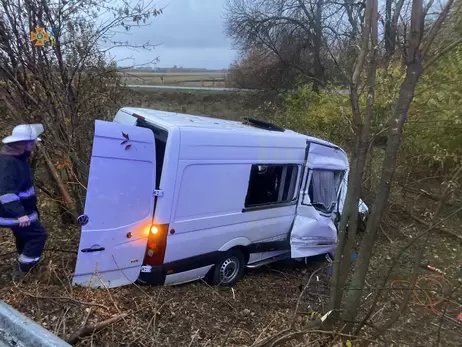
230,269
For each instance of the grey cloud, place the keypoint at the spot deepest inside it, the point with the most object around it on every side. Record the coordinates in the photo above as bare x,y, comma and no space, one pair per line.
190,33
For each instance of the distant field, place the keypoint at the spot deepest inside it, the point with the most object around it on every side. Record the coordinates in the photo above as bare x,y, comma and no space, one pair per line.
199,79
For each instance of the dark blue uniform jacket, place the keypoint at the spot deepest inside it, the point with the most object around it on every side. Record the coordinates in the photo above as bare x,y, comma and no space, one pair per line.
17,193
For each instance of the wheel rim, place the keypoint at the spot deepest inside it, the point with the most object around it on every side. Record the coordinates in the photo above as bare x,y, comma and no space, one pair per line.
229,270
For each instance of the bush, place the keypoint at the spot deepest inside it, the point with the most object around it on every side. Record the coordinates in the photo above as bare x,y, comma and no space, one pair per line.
324,115
433,135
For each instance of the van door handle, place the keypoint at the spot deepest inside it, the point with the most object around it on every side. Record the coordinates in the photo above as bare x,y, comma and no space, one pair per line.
93,249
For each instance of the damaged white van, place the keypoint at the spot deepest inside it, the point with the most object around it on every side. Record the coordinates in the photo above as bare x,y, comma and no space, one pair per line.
174,198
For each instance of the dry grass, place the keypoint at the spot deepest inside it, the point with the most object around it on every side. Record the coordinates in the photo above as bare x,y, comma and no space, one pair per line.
196,314
193,314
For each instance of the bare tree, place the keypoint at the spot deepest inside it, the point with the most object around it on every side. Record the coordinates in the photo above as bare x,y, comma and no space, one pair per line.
301,34
417,32
67,80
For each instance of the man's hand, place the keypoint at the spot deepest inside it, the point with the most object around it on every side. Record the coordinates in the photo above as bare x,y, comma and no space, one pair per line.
24,221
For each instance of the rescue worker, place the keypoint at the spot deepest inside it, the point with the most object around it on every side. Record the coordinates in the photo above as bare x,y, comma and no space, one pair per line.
18,203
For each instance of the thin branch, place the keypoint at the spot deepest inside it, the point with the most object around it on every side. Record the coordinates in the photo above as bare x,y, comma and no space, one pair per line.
63,298
91,329
425,45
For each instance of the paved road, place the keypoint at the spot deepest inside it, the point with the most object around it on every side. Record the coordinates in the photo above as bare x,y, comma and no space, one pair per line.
341,91
188,88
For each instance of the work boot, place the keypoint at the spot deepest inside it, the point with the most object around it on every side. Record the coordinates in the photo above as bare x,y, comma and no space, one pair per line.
24,268
27,267
18,273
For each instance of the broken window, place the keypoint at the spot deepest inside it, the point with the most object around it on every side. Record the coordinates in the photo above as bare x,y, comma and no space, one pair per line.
323,190
271,184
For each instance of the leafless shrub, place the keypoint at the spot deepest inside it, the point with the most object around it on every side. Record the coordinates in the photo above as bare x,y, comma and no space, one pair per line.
67,82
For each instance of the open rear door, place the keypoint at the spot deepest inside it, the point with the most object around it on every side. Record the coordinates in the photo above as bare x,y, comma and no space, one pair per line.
313,231
119,206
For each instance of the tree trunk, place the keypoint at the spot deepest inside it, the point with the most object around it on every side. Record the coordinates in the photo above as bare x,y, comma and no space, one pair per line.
362,131
64,190
406,95
336,290
319,78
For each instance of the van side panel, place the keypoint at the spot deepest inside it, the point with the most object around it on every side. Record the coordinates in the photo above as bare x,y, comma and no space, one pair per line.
211,185
205,222
209,189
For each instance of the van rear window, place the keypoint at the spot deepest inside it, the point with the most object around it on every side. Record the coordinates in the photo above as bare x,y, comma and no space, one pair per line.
271,184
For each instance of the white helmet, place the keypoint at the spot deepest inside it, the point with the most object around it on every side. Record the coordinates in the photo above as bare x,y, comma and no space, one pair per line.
24,132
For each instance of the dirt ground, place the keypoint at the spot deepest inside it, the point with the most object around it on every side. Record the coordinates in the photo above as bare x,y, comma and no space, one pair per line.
197,314
261,304
194,314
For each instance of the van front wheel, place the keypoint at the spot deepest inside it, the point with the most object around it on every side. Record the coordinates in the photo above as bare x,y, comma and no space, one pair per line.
230,269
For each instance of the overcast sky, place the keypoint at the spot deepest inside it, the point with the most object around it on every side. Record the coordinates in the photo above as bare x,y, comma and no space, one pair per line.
190,34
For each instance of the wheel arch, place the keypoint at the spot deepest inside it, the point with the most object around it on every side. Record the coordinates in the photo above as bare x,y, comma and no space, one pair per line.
237,242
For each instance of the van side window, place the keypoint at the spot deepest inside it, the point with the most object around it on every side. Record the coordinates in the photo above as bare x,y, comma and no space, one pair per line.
271,184
324,189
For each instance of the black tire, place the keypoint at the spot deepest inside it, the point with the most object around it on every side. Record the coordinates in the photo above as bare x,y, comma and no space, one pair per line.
230,269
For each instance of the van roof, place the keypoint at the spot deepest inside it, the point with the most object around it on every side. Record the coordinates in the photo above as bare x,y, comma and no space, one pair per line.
173,119
170,120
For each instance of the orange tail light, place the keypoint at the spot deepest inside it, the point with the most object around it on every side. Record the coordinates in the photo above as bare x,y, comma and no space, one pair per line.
157,244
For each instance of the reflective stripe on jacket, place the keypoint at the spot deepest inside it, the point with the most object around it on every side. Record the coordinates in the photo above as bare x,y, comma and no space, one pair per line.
12,222
17,192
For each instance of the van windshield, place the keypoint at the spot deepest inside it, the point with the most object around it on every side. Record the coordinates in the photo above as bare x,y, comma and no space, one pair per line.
323,189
